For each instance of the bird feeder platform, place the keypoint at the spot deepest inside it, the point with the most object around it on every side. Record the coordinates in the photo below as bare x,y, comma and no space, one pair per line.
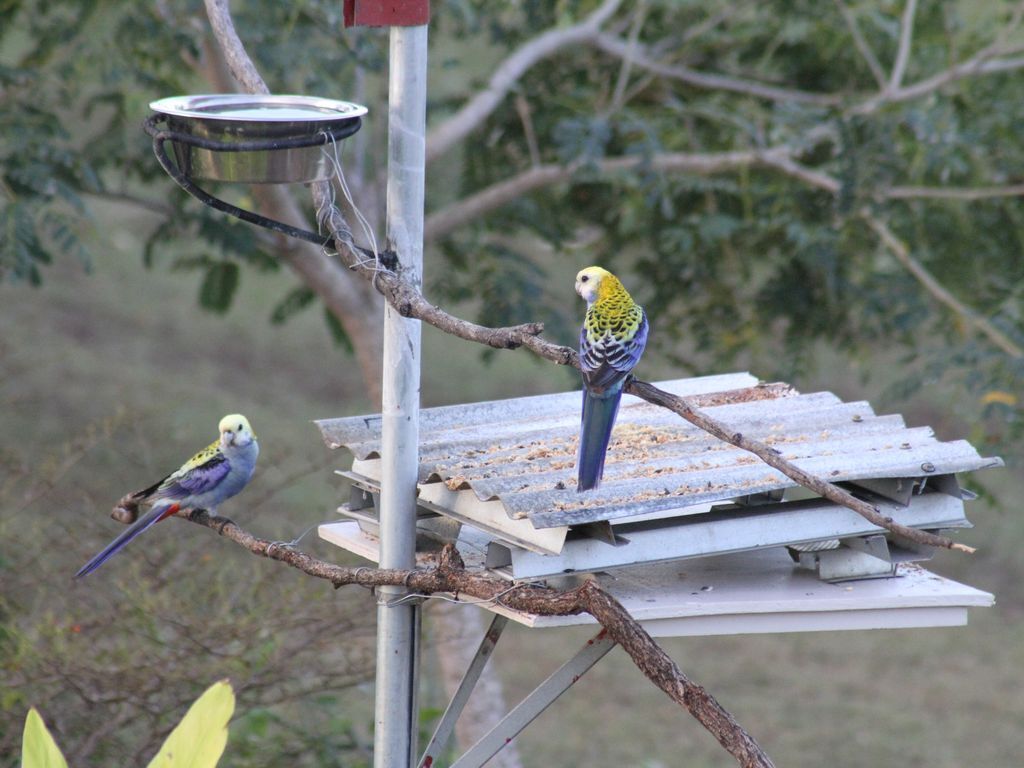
505,471
746,593
691,535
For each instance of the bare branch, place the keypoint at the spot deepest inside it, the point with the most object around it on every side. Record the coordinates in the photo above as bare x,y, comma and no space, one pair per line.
451,577
781,159
241,66
983,62
954,193
939,292
862,44
899,67
477,109
153,206
523,110
772,458
353,303
616,47
441,223
618,97
978,65
708,24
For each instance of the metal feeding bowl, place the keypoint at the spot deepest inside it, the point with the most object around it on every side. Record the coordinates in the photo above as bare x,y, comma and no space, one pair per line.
255,138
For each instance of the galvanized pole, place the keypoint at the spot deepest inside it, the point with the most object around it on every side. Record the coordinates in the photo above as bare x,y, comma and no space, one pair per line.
398,625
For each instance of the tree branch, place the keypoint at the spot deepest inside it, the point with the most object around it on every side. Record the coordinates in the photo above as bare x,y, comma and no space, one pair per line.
954,193
770,456
899,67
450,576
712,21
440,223
862,44
477,109
618,96
983,62
153,206
241,66
715,82
900,250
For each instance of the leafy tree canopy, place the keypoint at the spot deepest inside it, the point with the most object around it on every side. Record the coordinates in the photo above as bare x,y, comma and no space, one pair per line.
768,174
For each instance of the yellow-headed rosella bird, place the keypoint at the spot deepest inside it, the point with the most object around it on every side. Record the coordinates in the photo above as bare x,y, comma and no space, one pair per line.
216,473
612,339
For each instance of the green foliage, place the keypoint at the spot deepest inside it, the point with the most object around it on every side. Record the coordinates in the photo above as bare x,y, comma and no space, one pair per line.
294,302
198,741
76,79
752,265
121,655
749,266
38,749
218,287
341,338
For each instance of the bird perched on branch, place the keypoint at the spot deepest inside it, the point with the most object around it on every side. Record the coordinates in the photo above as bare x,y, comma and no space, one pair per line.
612,339
213,475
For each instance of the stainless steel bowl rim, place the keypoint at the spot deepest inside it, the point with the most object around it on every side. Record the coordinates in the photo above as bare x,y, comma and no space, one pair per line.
199,106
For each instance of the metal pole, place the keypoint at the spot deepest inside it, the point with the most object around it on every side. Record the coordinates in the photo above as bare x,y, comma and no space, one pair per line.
398,625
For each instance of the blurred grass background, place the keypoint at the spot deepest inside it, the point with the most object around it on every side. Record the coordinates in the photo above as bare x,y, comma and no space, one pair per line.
109,379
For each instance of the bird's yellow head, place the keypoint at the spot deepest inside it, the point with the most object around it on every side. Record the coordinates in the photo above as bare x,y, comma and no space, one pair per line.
235,431
589,283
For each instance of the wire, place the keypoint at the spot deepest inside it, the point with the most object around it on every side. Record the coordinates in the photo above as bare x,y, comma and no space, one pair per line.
364,224
300,537
495,600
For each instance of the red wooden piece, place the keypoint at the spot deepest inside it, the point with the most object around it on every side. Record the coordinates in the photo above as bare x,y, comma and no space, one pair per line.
386,13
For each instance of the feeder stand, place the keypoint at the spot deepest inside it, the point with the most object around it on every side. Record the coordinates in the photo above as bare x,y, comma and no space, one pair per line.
398,623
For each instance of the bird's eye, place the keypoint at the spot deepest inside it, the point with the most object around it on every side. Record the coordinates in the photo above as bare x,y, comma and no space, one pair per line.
584,278
239,427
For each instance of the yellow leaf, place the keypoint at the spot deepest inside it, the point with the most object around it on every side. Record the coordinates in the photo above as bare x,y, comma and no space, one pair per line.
38,749
199,739
998,396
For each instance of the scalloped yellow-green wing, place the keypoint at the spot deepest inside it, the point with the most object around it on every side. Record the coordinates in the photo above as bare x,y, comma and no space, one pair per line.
38,749
199,739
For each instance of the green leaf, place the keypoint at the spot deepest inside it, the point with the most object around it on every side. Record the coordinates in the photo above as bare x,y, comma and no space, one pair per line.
219,286
337,331
200,738
297,299
38,749
20,248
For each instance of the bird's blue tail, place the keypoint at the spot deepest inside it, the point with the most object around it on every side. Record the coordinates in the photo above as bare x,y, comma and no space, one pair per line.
598,419
153,516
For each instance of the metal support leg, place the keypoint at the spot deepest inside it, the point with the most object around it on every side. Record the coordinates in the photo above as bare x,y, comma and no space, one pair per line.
444,729
532,706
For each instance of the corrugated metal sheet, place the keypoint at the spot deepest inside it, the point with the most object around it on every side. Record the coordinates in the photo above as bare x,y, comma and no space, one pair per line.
522,452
